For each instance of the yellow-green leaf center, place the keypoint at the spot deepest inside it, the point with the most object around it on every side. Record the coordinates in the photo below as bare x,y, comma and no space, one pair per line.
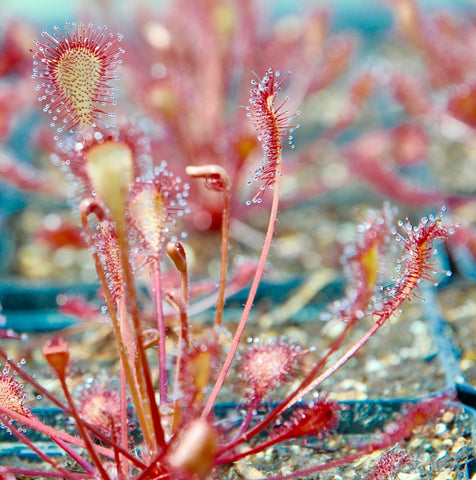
77,75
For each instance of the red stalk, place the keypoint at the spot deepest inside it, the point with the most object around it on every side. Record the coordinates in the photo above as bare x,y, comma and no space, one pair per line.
162,332
90,447
46,458
249,301
225,230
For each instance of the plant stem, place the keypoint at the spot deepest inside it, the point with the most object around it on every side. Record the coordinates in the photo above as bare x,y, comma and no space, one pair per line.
74,454
182,342
31,473
145,380
45,393
123,440
305,473
301,393
46,458
35,424
163,395
330,350
90,447
307,386
28,378
184,291
86,208
249,301
225,243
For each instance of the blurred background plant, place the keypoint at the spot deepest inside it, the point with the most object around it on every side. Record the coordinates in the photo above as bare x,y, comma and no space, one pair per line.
383,114
387,99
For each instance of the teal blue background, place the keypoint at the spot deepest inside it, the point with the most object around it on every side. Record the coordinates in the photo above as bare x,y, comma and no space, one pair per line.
370,16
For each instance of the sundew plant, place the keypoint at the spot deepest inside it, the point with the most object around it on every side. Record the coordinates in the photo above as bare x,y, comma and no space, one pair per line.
157,416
